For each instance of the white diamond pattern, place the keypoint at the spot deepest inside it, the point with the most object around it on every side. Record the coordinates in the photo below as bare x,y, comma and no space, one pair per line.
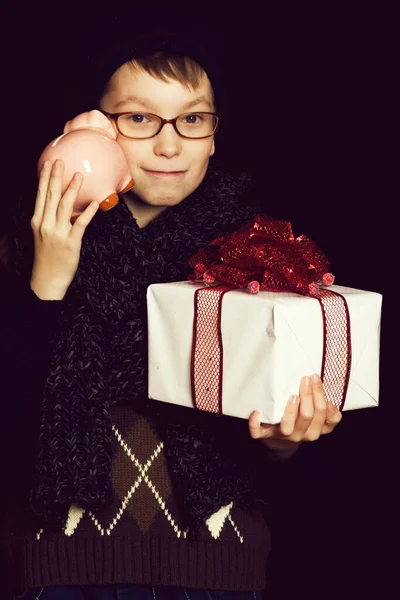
143,469
75,514
214,524
217,521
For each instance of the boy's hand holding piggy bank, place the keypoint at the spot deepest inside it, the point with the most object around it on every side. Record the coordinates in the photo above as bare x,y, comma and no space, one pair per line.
82,170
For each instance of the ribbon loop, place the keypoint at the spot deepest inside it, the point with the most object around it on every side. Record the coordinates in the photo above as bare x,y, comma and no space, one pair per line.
263,250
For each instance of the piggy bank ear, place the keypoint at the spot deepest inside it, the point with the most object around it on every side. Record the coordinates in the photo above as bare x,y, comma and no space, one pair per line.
81,120
92,118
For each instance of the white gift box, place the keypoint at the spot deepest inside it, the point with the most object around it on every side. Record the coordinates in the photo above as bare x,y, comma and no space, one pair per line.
270,340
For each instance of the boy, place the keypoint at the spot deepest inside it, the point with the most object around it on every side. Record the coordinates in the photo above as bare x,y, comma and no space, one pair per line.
133,499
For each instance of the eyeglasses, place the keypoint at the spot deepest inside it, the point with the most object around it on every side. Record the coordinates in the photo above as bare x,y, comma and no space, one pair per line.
138,125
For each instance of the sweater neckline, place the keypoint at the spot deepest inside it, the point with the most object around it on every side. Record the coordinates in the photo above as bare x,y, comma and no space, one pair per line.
216,185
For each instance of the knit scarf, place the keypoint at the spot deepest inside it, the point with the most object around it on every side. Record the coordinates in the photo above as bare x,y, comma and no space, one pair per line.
99,358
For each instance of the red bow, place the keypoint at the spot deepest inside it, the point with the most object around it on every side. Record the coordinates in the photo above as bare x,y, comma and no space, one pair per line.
263,255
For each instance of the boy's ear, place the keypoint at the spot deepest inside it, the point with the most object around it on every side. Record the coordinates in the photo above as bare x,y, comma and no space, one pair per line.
212,151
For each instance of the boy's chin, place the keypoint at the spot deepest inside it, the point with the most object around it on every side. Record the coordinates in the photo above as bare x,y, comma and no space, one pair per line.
171,200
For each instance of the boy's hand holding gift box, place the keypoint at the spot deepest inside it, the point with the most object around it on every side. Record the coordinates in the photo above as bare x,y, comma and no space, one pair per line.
216,347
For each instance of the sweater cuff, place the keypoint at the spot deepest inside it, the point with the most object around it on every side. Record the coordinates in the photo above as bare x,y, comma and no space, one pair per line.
281,454
39,301
42,309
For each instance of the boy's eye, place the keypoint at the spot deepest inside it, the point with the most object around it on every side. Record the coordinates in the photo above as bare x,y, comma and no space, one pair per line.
193,119
138,118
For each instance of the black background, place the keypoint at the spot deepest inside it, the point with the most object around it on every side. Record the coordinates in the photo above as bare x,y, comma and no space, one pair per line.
306,117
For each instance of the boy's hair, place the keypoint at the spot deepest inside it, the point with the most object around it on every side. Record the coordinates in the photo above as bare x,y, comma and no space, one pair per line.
177,50
166,66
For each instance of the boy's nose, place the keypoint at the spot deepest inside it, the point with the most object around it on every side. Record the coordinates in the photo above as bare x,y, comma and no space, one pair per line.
168,143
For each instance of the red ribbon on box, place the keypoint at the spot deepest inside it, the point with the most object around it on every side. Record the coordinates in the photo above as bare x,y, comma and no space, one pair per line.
264,255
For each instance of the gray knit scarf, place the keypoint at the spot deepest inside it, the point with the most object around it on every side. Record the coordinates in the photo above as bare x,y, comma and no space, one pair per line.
99,358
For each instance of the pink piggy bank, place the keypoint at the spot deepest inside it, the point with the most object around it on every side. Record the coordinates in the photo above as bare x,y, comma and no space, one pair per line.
88,145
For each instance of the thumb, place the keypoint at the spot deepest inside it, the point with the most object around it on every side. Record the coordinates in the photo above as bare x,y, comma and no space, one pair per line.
256,428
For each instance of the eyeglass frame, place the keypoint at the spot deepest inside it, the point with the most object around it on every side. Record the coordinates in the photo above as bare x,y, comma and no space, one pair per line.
115,116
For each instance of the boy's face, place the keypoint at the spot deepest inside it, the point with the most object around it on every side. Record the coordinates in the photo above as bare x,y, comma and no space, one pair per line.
166,152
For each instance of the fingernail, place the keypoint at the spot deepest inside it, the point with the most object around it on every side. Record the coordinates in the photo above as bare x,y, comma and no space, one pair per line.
293,399
316,378
307,381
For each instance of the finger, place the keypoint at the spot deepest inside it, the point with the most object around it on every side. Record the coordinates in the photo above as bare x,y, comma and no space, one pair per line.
256,428
306,408
53,193
255,424
333,417
67,202
40,201
320,409
82,221
113,129
288,421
